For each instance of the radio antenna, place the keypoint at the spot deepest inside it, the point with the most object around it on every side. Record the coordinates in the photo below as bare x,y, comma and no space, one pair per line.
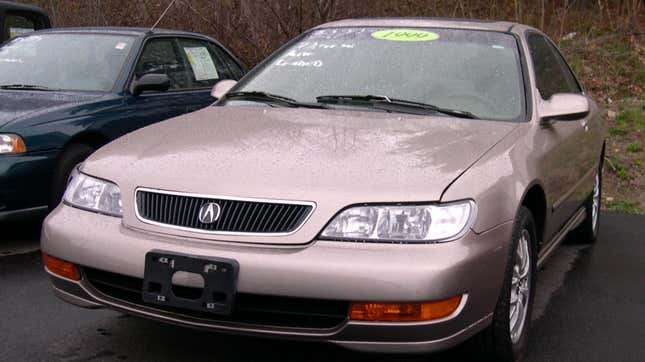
162,15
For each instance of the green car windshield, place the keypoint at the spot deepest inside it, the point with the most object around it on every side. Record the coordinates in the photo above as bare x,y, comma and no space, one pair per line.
466,70
64,61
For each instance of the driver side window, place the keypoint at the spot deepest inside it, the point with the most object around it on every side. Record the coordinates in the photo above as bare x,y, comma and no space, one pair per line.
161,56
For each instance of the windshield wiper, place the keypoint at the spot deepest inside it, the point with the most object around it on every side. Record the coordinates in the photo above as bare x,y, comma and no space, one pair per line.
27,87
393,104
271,99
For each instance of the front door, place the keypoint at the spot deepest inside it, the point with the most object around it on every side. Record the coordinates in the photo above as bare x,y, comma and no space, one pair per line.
159,56
565,159
193,66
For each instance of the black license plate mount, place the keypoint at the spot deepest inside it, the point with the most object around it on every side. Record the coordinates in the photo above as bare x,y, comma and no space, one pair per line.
219,274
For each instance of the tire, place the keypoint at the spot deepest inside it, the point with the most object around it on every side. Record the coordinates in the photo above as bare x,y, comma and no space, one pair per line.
587,232
497,342
71,156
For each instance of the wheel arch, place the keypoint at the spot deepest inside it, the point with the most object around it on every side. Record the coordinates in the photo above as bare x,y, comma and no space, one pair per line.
90,138
534,199
93,139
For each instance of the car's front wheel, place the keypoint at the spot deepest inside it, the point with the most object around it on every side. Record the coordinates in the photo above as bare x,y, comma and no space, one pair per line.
506,339
587,232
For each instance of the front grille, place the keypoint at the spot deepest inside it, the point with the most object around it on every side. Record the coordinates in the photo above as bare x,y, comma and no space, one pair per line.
236,216
254,309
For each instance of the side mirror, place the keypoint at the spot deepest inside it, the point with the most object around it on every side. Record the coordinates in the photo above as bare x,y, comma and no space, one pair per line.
564,107
150,82
222,87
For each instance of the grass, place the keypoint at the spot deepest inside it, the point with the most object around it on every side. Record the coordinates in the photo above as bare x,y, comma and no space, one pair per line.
631,117
617,168
625,171
631,207
634,147
617,132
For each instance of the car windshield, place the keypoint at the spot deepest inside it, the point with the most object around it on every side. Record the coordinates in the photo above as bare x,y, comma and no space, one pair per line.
465,70
85,62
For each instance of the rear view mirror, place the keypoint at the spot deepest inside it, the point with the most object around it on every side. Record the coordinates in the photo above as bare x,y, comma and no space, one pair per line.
564,107
222,87
150,82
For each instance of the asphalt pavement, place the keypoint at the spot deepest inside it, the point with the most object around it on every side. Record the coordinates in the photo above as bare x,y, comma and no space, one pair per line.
590,306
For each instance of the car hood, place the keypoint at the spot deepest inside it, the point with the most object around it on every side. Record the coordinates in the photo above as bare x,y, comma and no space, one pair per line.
333,158
17,105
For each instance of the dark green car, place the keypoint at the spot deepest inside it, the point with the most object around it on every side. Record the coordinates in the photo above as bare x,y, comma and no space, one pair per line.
66,92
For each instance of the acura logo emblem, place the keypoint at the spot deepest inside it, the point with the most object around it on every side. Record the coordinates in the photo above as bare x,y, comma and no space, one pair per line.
209,213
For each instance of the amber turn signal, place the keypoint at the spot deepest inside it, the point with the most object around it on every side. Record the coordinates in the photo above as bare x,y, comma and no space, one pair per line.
60,267
403,312
19,145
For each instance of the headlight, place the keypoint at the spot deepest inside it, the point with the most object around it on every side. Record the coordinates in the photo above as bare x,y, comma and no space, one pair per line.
402,223
89,193
11,143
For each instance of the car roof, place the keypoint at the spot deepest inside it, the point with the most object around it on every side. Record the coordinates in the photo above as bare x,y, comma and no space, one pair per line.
10,5
122,31
492,25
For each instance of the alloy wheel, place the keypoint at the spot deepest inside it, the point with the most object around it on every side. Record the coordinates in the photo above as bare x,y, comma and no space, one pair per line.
595,207
520,287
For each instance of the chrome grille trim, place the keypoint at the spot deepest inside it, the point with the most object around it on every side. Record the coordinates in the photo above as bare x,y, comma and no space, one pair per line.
232,216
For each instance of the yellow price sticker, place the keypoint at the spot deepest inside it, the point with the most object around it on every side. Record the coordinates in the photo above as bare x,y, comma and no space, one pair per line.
405,35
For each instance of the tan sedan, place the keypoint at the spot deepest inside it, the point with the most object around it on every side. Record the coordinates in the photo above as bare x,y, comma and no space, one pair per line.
387,185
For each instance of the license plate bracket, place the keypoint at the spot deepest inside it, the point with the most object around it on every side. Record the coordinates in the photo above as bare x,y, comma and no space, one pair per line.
220,281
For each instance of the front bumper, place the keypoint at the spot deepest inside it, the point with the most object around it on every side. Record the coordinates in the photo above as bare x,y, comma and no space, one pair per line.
337,271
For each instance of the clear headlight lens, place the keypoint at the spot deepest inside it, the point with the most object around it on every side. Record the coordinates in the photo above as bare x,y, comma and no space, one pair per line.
89,193
11,143
405,223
